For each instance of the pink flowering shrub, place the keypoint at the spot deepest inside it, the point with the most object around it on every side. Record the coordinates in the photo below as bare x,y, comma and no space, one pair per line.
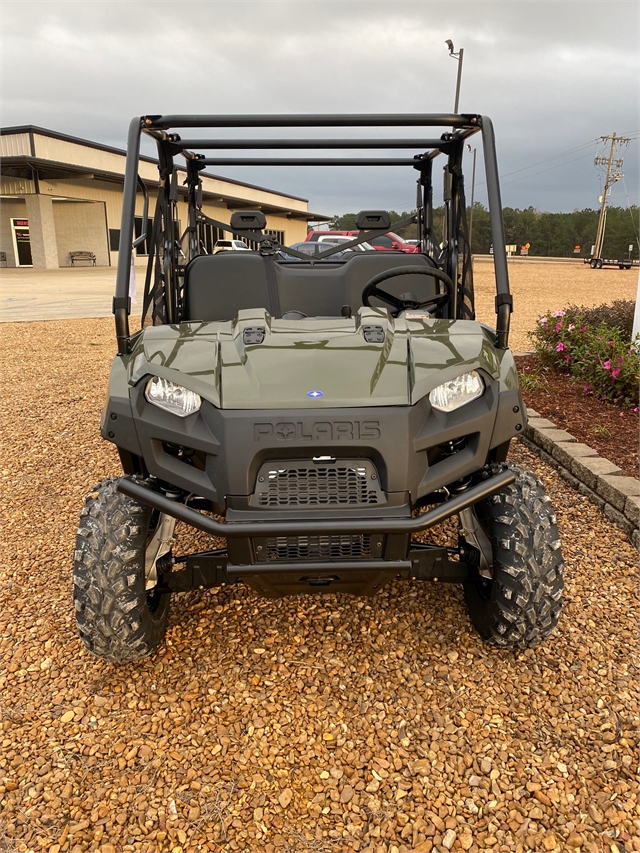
593,348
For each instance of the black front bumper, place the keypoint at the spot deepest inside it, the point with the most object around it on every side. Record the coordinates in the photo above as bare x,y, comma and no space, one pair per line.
145,494
321,556
317,566
217,454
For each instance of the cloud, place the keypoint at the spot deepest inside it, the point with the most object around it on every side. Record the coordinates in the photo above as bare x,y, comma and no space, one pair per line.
549,74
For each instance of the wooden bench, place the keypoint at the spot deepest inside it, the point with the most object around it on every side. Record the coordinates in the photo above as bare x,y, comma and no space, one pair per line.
82,256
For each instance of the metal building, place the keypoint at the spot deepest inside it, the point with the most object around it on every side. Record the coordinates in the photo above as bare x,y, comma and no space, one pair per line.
62,195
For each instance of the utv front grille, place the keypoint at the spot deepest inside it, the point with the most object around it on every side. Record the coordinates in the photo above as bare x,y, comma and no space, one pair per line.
336,482
321,548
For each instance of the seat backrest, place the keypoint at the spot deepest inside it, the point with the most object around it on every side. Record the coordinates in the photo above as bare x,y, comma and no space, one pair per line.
317,291
368,265
322,290
218,286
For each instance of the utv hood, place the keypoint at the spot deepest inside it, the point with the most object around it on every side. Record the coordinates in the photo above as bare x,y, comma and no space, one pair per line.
257,362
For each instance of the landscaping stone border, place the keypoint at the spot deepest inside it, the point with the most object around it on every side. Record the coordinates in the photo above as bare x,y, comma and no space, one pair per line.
590,474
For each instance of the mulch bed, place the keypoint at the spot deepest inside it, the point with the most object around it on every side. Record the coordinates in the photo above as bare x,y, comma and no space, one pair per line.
610,430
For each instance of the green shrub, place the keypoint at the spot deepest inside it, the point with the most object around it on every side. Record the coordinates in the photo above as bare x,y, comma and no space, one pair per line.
594,347
616,315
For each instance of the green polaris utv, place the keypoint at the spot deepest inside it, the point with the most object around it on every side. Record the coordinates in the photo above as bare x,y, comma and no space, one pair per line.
312,414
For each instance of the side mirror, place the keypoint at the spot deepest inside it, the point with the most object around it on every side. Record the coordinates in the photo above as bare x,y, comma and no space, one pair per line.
394,245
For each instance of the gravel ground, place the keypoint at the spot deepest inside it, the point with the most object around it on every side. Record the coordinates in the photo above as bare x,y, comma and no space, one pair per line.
537,288
304,724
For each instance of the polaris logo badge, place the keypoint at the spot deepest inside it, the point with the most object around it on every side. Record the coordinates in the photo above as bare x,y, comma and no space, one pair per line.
315,394
317,431
285,432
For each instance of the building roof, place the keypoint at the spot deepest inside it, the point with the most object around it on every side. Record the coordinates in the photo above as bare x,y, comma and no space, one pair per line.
26,154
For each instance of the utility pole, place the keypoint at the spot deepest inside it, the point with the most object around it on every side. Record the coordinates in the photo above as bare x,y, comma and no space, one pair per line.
612,176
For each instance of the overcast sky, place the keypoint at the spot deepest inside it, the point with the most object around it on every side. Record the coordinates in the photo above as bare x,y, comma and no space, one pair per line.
553,77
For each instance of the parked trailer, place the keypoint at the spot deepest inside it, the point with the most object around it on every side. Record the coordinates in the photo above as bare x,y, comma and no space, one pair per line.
622,263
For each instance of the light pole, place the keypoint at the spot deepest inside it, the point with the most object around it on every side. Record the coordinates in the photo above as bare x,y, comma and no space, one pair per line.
473,188
459,56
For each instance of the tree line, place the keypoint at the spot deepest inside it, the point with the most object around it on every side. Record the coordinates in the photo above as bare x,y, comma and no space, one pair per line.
548,234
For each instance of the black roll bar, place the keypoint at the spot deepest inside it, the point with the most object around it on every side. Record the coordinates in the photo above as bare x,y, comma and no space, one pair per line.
306,161
326,120
273,144
463,126
122,302
453,173
504,301
145,215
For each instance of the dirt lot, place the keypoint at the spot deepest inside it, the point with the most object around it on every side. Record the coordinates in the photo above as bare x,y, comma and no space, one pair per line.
536,287
303,724
57,294
540,287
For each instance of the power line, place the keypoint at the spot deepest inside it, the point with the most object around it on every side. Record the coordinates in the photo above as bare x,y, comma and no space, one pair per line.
539,163
630,135
542,171
635,226
584,145
548,159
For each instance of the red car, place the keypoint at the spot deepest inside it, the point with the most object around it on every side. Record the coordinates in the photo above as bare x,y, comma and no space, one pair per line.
388,242
313,236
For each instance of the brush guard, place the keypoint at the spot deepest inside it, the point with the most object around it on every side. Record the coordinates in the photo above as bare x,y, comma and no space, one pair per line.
339,574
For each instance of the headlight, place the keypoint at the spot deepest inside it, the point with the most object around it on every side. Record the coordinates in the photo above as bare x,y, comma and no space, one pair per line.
171,397
455,393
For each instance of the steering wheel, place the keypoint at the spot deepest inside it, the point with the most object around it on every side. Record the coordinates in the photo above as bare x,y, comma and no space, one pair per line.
400,304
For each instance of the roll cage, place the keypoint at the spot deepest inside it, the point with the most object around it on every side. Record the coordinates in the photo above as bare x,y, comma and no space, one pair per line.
167,260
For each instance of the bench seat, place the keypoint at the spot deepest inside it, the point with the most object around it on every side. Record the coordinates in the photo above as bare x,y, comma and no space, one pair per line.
218,286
